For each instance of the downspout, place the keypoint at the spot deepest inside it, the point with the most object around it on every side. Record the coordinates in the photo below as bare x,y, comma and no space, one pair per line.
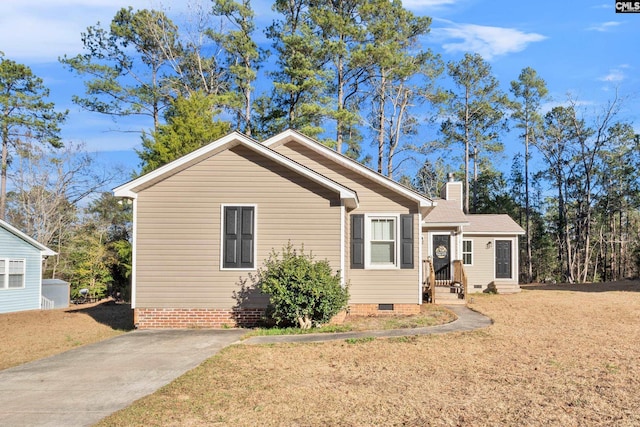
420,259
342,244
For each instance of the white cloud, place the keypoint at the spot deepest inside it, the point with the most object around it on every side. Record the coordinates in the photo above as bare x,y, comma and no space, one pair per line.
615,75
427,4
488,41
41,31
605,26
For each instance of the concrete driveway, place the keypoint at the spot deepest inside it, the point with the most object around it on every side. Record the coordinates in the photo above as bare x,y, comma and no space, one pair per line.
84,385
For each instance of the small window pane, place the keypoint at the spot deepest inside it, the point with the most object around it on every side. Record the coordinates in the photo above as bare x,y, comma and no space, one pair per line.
16,280
16,266
382,229
467,252
2,266
382,253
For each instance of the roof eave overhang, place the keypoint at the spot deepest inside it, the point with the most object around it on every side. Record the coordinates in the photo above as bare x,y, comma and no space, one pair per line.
444,224
495,233
131,189
290,134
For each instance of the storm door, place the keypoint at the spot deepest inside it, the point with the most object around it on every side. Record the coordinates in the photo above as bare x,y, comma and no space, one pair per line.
442,258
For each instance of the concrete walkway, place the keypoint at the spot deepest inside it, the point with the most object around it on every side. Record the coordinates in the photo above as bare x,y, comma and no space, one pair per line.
84,385
467,320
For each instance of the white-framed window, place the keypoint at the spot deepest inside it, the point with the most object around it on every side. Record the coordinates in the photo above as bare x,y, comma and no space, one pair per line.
467,252
12,272
381,238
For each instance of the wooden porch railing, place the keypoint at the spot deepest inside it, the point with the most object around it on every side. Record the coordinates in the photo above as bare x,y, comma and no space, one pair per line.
428,280
460,275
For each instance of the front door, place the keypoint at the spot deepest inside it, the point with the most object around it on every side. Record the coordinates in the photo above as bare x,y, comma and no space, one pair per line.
503,259
442,257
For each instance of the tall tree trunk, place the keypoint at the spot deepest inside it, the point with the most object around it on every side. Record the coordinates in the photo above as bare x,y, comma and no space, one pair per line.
247,109
339,118
393,144
466,151
3,174
381,103
527,209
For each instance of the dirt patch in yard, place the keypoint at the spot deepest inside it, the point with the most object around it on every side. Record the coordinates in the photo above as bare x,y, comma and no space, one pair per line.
32,335
552,357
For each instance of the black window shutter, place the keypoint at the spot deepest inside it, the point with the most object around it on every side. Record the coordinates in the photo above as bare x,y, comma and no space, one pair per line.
357,241
230,237
246,238
238,237
406,241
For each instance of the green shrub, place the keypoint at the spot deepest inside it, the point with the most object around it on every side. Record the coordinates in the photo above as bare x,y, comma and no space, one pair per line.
302,291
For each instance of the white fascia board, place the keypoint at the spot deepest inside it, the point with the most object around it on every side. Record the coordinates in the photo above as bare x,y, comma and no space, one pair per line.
444,224
349,163
127,190
45,251
492,233
346,194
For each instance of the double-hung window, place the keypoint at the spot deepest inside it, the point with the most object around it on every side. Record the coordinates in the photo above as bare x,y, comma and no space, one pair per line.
467,252
238,237
12,272
382,241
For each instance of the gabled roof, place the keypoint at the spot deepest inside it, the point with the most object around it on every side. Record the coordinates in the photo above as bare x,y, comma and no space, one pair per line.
11,229
446,213
492,224
131,188
289,135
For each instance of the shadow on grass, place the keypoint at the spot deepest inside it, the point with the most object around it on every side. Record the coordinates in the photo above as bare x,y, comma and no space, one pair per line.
619,286
118,316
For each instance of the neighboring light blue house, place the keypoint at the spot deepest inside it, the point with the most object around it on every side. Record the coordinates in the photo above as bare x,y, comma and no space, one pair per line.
20,270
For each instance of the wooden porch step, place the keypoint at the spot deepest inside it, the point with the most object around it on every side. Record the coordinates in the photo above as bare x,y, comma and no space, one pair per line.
446,296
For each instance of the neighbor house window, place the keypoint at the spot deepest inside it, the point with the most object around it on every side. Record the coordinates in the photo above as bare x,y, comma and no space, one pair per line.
238,237
467,252
12,273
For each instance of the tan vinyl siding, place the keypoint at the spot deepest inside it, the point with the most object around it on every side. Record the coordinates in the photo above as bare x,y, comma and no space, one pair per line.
393,286
178,228
373,197
482,272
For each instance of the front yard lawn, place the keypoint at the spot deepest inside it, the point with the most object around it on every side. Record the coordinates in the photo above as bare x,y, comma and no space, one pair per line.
555,356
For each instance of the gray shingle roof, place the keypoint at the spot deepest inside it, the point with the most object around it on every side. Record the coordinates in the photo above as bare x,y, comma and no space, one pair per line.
446,212
492,223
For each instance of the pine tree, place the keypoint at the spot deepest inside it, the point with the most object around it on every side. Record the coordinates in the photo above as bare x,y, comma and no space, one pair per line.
189,126
529,90
25,116
476,111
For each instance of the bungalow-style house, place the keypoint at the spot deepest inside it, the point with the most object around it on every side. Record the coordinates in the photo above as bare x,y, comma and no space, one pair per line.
20,270
204,223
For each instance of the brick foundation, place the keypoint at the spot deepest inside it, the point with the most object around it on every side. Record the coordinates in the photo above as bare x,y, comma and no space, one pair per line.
180,318
373,309
176,318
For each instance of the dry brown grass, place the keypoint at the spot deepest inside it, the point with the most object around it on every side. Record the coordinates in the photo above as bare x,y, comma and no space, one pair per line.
553,357
32,335
430,315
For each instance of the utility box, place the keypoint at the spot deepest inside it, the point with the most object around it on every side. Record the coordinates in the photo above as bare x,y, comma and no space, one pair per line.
57,291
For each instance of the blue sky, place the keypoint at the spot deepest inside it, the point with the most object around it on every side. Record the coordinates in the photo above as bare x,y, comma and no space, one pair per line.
582,48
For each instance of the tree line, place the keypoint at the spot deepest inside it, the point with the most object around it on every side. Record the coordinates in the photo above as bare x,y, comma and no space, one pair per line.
349,73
